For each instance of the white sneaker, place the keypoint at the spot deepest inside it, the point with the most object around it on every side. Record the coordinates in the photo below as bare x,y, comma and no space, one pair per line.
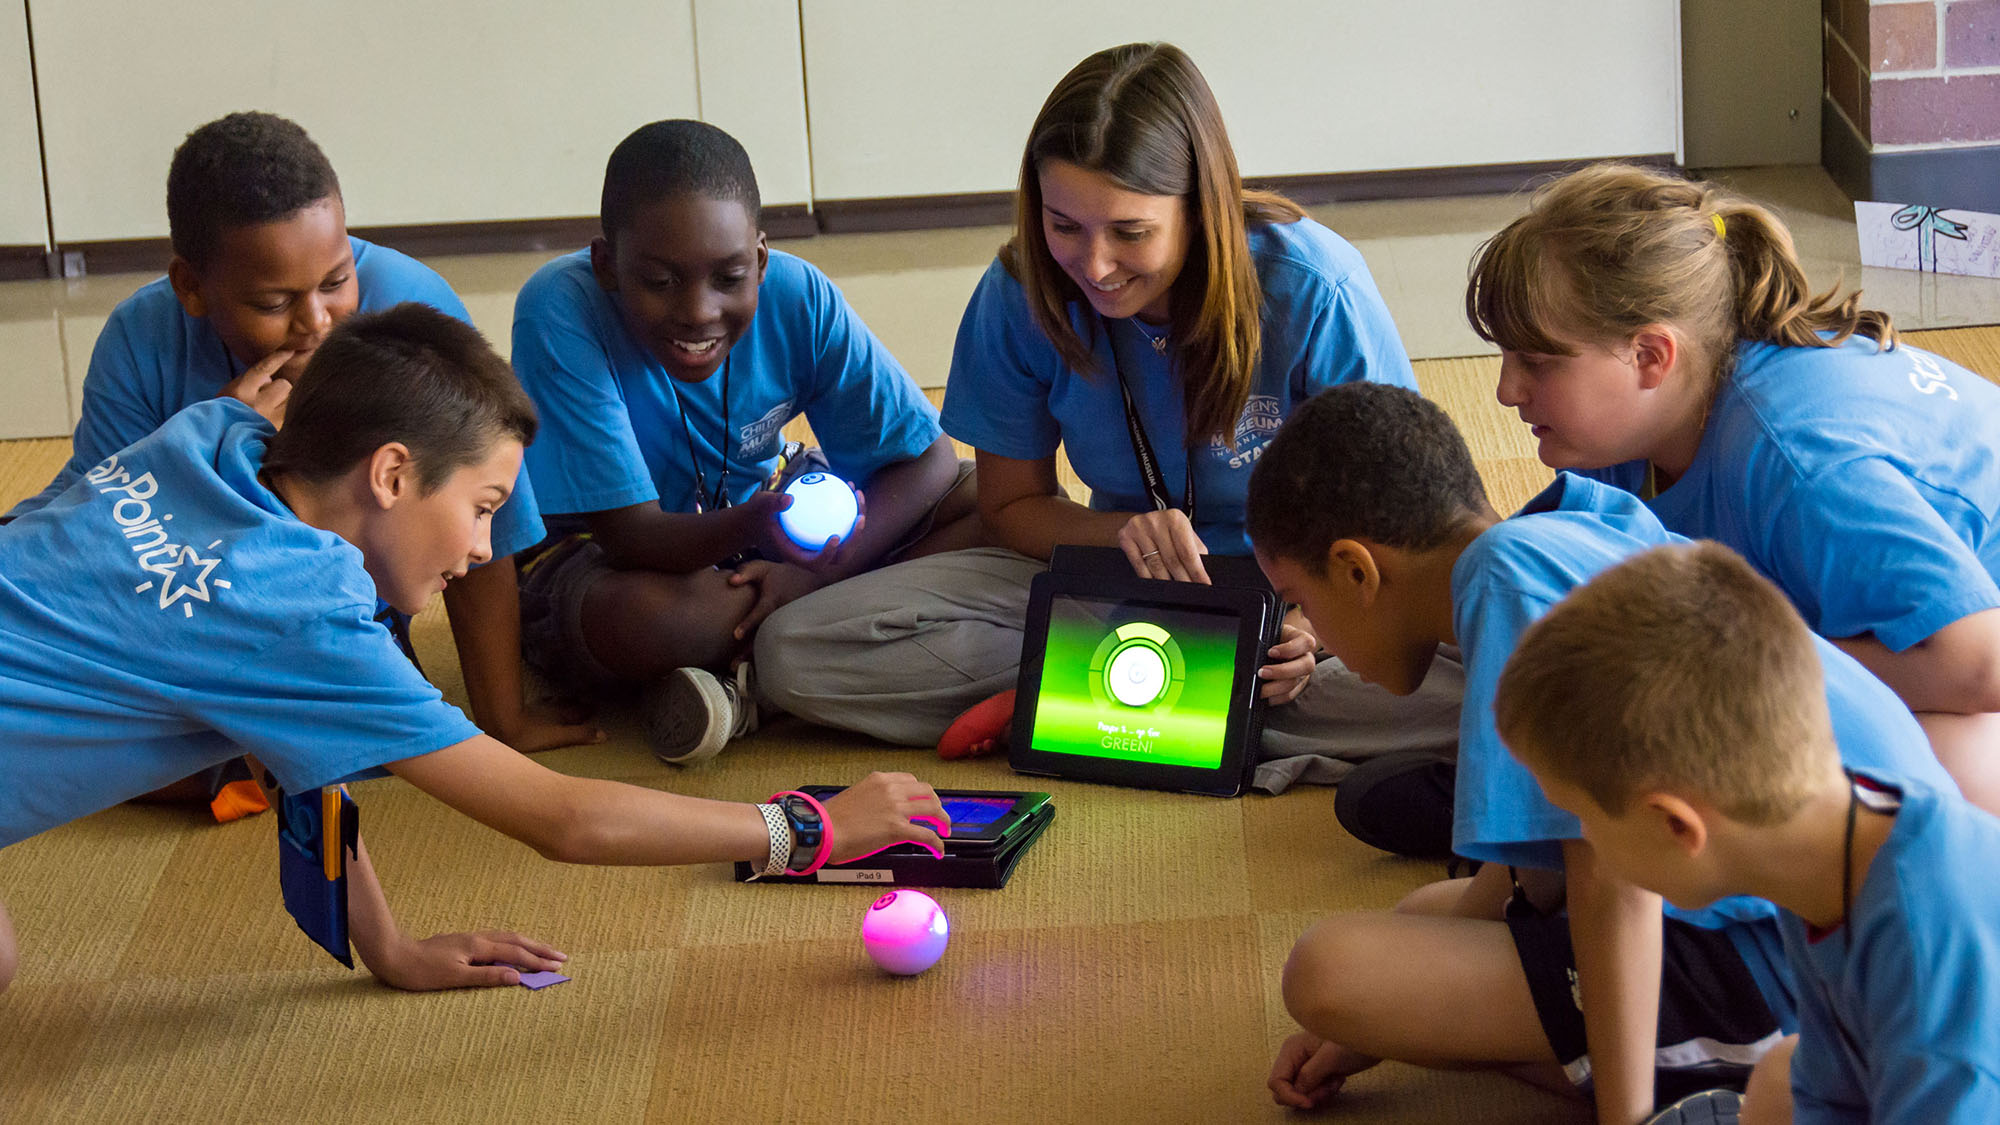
1710,1107
690,715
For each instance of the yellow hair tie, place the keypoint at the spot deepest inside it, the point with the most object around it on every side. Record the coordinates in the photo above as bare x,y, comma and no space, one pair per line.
1721,231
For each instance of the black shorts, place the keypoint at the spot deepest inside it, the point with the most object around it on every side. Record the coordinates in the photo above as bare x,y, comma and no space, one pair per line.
1714,1024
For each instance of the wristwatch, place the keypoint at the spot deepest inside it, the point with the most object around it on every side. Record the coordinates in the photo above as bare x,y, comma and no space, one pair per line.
808,824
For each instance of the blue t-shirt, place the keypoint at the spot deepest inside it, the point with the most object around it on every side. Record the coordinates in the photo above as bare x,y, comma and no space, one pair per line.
1011,394
1865,483
1897,1008
167,613
1517,571
153,359
611,431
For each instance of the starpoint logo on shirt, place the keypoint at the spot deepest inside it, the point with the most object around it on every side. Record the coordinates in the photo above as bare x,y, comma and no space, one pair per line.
181,574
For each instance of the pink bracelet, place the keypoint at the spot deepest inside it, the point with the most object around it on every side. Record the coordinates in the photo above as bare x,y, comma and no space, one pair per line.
825,849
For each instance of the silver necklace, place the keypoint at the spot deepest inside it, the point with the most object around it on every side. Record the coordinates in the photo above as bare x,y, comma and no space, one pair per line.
1159,342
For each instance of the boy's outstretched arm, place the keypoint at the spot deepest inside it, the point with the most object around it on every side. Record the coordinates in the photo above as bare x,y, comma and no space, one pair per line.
442,961
1615,929
585,820
485,612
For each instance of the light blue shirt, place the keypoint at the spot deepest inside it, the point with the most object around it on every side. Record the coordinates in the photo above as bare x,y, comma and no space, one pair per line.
1517,571
1866,484
1897,1008
611,431
167,612
153,359
1011,394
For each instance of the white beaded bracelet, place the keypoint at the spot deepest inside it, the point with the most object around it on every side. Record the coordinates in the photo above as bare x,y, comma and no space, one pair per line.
781,840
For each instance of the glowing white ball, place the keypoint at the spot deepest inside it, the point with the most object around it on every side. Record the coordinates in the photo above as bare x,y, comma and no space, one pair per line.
823,506
905,932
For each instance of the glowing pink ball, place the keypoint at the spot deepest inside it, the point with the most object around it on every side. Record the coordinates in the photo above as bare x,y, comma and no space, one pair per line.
905,932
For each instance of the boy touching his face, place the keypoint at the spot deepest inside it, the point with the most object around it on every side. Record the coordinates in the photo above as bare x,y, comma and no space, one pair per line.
263,269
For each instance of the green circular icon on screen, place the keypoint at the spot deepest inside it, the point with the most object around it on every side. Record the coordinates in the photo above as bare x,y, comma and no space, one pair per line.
1137,673
1137,665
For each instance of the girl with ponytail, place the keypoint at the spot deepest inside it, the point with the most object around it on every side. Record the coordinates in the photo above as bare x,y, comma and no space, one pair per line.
1660,334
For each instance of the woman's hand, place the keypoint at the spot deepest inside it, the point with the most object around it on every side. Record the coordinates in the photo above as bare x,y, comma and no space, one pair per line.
1163,544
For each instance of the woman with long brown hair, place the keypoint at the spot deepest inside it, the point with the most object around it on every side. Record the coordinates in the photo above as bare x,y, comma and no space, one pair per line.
1158,321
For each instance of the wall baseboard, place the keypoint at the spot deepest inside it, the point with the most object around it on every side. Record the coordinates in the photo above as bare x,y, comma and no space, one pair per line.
19,263
846,216
1966,179
423,240
1429,183
918,212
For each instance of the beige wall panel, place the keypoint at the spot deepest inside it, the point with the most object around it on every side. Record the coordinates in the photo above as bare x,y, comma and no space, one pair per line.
431,113
922,99
23,216
753,84
1752,76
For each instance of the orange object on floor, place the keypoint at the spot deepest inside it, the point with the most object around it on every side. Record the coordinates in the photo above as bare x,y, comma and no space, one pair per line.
237,800
982,729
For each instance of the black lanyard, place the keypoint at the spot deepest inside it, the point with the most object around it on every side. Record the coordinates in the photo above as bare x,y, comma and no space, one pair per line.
1142,446
703,498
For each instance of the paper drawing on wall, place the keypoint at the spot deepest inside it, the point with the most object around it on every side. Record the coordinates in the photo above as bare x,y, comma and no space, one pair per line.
1931,239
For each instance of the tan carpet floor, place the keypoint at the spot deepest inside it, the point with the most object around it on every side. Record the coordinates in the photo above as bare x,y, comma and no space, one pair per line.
1128,973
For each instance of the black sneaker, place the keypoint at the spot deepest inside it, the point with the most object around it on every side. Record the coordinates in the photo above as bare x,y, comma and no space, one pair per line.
1400,802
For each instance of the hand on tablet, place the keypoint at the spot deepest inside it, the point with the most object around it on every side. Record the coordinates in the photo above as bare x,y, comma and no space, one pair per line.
884,810
1163,545
1290,666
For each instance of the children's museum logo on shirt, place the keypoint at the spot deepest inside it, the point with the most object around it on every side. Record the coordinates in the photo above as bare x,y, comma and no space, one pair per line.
1262,416
757,435
181,575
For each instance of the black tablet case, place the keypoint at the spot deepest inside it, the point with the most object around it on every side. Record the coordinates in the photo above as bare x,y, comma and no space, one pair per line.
1223,570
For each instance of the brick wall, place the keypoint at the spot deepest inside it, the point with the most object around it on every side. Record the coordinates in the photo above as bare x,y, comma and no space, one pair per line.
1915,74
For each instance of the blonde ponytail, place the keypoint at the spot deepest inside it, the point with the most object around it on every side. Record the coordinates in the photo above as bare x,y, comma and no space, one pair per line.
1609,249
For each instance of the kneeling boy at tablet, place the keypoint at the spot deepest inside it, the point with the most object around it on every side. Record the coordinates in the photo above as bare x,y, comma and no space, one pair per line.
1366,510
1675,705
211,589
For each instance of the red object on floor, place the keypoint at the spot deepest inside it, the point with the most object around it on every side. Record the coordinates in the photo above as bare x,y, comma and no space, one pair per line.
237,800
982,729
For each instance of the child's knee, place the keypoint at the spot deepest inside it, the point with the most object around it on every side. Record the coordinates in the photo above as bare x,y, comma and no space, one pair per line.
1440,898
1321,973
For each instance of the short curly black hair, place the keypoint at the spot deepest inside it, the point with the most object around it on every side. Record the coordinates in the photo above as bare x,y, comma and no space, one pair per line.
669,158
1362,461
237,171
